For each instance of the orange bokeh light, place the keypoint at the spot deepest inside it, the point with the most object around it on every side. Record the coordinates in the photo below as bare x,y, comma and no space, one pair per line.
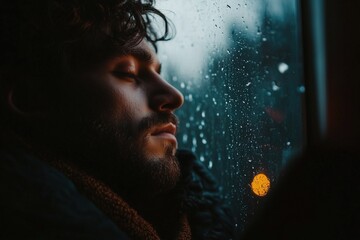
260,185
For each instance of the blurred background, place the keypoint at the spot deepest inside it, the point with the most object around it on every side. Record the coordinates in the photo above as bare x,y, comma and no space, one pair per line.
239,65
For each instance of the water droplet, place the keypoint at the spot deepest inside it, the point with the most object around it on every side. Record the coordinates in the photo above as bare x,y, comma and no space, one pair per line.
288,143
228,51
204,141
264,39
185,138
228,6
283,67
275,87
210,164
301,89
248,84
194,141
258,31
198,108
202,159
182,85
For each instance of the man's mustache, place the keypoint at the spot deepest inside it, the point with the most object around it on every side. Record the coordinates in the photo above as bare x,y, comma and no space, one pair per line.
157,119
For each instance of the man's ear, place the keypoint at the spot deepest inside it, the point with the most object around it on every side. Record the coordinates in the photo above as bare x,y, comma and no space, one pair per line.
18,101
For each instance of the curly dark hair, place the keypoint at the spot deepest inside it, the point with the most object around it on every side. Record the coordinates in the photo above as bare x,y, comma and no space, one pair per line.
44,37
44,42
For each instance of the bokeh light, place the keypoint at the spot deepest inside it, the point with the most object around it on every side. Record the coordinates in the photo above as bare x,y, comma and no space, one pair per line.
260,185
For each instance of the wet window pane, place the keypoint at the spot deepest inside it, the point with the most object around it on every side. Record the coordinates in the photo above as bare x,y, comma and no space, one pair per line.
238,64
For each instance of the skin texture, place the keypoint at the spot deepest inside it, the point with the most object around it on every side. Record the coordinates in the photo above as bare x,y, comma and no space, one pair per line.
116,120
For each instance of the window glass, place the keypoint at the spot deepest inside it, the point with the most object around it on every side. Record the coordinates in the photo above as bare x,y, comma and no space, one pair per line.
238,64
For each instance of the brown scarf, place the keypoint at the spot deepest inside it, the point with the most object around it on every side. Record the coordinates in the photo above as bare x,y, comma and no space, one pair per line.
126,218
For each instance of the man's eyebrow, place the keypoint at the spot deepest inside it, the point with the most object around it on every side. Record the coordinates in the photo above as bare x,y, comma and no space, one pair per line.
146,57
142,55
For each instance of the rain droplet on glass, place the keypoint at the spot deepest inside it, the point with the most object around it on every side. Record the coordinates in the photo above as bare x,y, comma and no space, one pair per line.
283,67
198,108
185,138
275,87
301,89
194,141
210,164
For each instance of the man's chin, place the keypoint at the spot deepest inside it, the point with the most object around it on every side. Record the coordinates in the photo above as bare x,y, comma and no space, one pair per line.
144,176
161,175
158,149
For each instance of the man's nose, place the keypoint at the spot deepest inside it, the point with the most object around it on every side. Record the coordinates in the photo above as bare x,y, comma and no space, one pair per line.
165,97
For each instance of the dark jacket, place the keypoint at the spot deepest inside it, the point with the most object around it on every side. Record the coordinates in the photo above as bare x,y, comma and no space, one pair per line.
39,202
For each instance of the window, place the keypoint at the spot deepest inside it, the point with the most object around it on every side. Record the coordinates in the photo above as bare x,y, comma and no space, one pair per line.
238,64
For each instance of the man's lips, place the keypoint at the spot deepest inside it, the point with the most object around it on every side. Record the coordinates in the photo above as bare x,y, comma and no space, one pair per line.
166,131
168,128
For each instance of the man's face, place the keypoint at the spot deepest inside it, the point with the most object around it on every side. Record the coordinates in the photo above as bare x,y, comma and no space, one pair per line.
118,118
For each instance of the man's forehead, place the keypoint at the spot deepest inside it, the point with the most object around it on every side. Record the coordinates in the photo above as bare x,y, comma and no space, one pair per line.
142,52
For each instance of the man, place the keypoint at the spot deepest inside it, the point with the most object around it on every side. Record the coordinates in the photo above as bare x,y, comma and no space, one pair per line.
88,147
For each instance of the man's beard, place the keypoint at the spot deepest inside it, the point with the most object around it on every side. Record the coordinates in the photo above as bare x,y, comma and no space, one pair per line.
115,154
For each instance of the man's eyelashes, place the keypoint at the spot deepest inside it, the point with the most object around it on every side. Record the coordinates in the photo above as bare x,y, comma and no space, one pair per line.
126,76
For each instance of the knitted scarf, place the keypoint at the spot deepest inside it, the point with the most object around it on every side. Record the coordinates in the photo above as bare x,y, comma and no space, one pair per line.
125,217
110,203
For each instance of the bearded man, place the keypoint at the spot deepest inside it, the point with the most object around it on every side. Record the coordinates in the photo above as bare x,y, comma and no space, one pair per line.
88,147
